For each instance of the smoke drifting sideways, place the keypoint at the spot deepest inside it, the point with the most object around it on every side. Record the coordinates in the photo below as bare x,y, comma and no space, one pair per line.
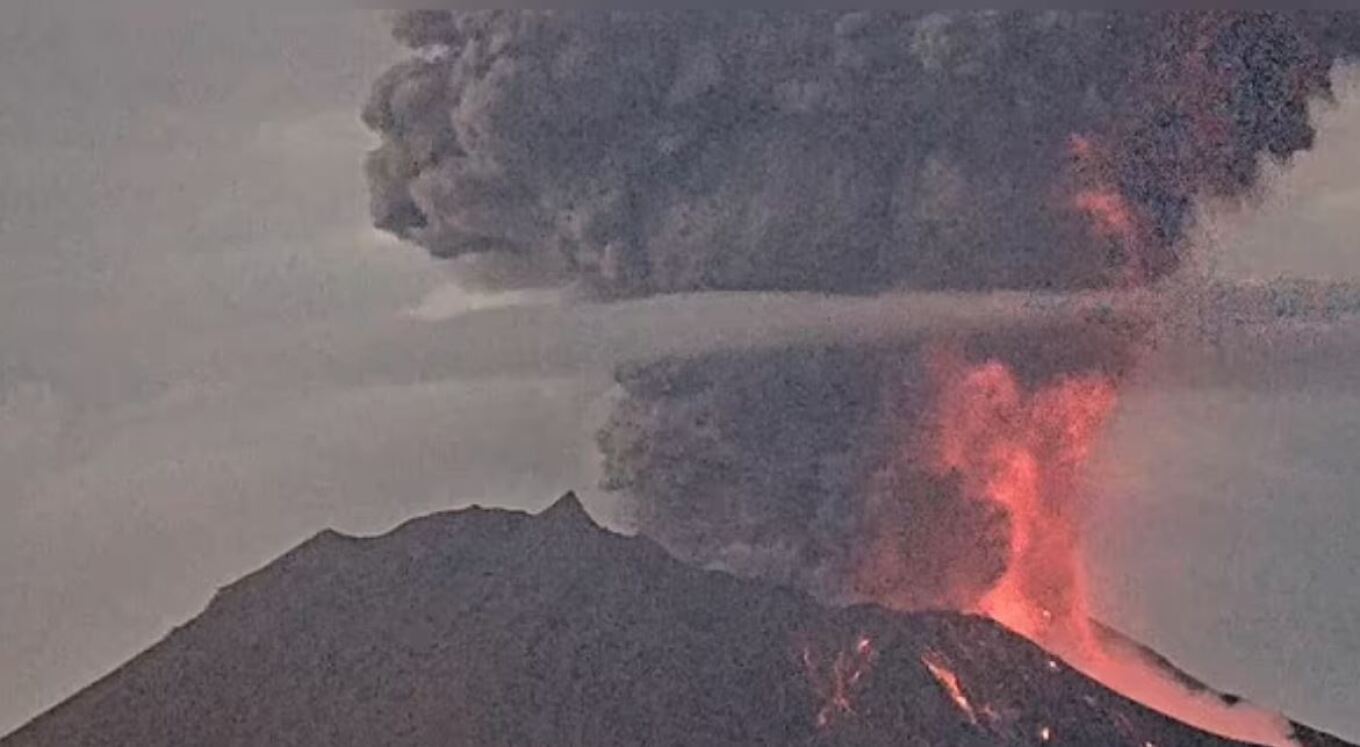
645,153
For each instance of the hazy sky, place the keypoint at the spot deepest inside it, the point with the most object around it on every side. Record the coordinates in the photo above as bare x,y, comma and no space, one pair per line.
206,356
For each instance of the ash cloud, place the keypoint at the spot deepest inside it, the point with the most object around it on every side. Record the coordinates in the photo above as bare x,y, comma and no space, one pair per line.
647,153
780,464
783,463
844,152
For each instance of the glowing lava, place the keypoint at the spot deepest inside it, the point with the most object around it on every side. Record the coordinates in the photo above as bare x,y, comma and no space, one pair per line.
1023,451
837,685
949,682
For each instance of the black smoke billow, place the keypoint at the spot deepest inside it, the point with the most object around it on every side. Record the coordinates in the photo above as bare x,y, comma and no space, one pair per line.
779,463
643,153
844,152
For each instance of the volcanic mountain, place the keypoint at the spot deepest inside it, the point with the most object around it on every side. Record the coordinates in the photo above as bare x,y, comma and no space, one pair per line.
491,627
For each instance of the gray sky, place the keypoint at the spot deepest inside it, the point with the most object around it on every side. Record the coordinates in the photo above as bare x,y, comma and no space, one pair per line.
206,356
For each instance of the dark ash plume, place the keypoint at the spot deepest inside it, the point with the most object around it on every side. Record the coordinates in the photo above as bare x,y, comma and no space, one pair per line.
846,152
642,153
780,463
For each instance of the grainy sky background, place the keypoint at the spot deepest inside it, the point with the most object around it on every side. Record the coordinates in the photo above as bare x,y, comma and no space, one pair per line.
206,356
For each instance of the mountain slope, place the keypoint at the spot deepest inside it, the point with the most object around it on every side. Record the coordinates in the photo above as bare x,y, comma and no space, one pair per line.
498,628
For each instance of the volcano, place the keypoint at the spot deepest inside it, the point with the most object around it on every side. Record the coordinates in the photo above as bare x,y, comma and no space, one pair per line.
493,627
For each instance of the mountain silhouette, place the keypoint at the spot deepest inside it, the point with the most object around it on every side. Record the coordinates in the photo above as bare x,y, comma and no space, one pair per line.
493,627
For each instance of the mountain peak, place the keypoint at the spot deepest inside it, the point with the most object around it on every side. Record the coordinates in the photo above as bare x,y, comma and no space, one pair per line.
568,509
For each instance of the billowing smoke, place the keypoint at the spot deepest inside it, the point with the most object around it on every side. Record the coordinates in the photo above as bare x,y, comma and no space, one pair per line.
843,152
788,463
642,153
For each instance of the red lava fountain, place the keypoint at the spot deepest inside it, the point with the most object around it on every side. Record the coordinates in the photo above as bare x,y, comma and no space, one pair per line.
1023,450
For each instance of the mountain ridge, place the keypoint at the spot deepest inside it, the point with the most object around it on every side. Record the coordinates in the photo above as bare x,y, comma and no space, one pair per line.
485,626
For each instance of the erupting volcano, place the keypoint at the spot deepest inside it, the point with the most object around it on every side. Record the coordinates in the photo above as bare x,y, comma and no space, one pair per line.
841,538
1019,451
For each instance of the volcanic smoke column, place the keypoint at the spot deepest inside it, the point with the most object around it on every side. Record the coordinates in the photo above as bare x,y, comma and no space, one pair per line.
644,153
641,153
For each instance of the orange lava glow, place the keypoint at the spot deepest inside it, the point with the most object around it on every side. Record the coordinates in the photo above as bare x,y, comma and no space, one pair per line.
950,683
1023,451
1110,214
837,684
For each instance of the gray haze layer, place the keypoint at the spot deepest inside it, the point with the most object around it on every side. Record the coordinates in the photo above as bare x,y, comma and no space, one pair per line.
205,356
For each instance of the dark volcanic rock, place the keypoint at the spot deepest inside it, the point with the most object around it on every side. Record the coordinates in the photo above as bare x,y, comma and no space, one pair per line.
484,627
